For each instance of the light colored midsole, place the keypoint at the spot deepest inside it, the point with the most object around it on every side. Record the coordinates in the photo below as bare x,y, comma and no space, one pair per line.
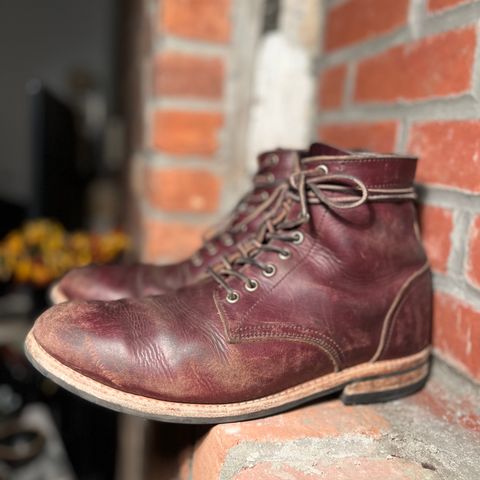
152,407
386,383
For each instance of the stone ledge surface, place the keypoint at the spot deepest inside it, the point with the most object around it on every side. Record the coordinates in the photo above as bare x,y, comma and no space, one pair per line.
434,434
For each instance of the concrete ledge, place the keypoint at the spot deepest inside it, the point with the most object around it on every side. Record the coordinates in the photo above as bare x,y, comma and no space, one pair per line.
434,434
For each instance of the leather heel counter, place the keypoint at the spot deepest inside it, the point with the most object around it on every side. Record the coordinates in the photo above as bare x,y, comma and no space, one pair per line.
409,328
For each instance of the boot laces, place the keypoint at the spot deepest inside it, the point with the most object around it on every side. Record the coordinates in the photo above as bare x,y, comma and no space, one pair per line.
335,191
252,204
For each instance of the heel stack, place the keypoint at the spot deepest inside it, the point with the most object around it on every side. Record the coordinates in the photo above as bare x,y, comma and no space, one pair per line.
387,387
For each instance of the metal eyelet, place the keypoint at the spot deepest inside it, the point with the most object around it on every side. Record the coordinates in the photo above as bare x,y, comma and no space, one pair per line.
270,178
228,242
264,196
285,255
251,286
298,238
233,297
243,228
322,167
197,262
269,270
273,159
212,250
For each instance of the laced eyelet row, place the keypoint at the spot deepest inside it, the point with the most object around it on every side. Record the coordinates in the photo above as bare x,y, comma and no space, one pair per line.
250,286
269,271
279,225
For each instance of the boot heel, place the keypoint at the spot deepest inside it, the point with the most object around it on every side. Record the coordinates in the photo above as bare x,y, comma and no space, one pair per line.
386,387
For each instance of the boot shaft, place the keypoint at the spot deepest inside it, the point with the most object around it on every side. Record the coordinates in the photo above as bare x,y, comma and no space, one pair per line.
379,234
371,255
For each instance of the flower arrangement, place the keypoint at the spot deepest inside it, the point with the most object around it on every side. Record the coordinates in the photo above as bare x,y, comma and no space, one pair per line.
42,250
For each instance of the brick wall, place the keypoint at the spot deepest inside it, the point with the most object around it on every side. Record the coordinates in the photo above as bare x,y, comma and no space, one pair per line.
403,75
189,167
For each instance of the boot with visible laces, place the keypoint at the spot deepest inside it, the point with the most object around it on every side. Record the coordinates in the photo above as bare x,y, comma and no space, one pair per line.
112,282
333,294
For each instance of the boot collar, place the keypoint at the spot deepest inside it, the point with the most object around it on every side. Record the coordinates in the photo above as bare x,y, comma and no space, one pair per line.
374,170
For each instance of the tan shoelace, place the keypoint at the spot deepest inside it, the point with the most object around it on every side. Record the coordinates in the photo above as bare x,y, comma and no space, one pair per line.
253,204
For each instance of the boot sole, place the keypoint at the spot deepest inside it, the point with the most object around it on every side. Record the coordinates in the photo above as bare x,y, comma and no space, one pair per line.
366,383
56,296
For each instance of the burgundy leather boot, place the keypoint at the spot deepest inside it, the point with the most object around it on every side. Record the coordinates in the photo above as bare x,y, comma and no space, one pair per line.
112,282
332,294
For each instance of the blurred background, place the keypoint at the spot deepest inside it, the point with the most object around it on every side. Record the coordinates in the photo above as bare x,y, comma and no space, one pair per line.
128,127
64,152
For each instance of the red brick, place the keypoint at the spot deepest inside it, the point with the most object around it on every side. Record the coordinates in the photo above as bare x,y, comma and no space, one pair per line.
357,20
377,136
436,225
322,420
436,5
182,74
187,133
172,241
473,261
347,468
457,333
182,190
332,84
449,153
433,67
196,19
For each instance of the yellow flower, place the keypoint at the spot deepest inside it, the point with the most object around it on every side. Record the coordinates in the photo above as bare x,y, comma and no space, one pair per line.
54,241
13,243
22,270
40,274
35,231
42,250
80,241
83,258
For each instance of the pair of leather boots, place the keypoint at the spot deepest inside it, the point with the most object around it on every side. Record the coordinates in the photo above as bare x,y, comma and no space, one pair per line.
318,283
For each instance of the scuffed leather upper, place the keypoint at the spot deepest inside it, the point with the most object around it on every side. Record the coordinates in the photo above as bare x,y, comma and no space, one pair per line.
346,295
